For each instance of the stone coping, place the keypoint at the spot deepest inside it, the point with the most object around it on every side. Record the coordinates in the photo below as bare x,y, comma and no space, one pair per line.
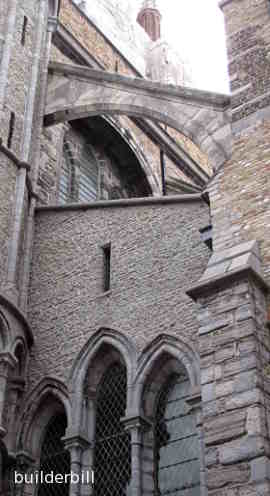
229,265
130,202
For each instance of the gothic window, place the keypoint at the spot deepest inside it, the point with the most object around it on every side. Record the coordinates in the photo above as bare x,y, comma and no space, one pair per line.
112,458
79,174
54,458
176,448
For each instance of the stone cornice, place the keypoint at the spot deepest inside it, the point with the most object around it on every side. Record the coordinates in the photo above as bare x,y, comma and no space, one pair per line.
136,421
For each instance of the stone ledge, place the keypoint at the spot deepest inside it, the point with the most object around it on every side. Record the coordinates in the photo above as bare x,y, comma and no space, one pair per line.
130,202
228,266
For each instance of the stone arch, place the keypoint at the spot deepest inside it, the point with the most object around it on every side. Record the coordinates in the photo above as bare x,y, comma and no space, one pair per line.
164,362
47,399
110,343
134,145
163,349
205,118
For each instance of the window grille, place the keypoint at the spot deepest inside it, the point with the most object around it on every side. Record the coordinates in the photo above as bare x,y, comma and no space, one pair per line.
54,457
112,462
79,174
176,448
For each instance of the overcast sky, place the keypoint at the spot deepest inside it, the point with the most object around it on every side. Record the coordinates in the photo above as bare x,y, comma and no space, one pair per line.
196,29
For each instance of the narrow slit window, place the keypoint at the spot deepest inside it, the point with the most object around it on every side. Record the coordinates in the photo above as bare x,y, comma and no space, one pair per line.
107,267
11,129
24,28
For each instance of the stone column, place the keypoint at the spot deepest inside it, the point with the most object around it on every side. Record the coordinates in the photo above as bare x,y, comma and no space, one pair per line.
7,362
15,391
136,426
26,467
234,352
76,445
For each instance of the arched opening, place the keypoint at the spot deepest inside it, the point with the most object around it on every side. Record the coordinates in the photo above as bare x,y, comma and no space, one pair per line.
112,456
171,447
98,163
54,458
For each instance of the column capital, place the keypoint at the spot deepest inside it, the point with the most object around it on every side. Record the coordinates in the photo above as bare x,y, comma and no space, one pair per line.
136,422
76,442
24,460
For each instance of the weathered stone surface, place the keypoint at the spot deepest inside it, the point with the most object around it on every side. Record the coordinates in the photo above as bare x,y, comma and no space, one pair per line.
225,427
225,476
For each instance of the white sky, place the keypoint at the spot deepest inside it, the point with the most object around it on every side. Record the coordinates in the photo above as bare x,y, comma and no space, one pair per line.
196,29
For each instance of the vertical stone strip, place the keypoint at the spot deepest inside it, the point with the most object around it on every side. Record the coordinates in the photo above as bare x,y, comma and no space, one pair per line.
25,150
6,54
136,427
52,23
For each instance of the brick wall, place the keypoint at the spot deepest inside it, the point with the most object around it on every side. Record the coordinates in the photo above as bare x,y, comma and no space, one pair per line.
240,194
19,74
240,198
94,41
156,254
248,42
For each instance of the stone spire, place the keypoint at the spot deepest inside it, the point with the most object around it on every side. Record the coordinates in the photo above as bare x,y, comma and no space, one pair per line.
149,18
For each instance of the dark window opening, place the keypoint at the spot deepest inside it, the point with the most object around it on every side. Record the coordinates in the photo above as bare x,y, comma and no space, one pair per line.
24,28
11,129
112,459
116,67
107,267
207,236
54,457
176,446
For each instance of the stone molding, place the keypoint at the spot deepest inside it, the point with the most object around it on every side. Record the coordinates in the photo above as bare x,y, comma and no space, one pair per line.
130,202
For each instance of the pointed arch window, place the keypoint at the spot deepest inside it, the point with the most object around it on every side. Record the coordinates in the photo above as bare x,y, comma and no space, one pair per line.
79,174
54,458
112,458
176,446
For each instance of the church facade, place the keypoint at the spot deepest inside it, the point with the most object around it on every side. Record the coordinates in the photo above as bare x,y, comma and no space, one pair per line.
135,256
